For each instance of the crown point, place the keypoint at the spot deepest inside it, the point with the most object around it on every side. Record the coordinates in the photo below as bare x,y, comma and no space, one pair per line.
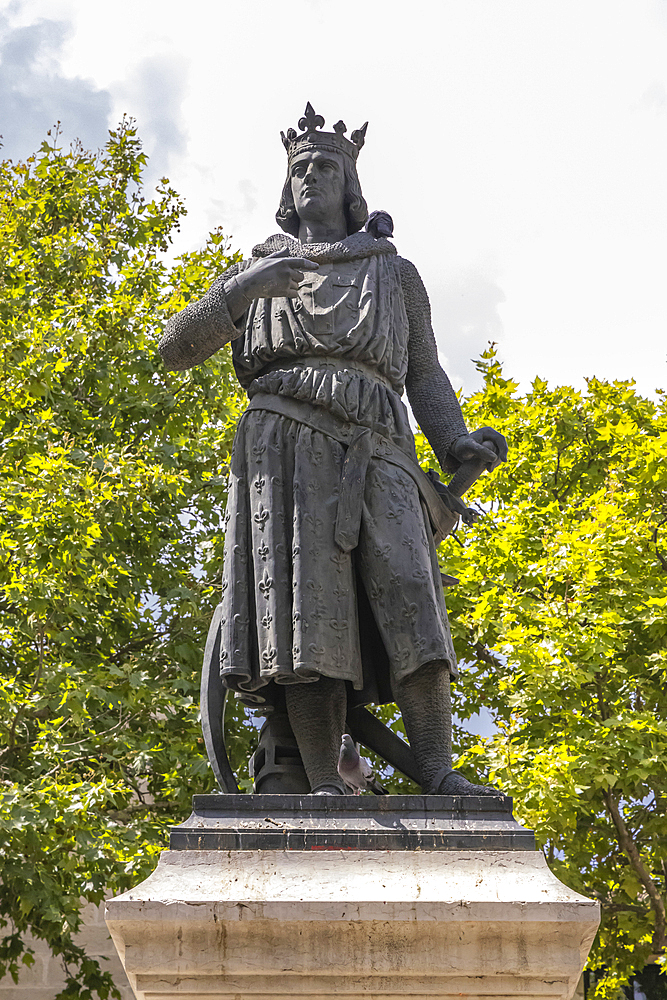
310,120
340,127
358,137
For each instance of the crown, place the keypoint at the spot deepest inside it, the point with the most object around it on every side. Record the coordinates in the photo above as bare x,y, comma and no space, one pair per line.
310,138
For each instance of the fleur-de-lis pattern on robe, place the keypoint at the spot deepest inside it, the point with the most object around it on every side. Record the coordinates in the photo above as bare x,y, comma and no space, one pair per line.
290,607
290,603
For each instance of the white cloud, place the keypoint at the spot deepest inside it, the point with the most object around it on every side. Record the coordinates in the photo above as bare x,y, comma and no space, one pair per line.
34,94
520,147
153,94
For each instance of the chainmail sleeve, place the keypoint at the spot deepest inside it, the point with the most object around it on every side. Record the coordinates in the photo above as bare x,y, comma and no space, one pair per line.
202,328
429,390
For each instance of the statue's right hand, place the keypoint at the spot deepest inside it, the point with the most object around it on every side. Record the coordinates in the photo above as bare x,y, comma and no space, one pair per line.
275,276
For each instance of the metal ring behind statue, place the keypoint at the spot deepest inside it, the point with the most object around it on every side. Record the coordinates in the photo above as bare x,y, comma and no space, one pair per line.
213,698
361,724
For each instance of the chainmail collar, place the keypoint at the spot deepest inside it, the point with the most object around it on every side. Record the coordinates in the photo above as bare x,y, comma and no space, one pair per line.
351,248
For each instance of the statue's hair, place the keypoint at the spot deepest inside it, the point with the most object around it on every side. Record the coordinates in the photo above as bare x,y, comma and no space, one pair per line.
356,209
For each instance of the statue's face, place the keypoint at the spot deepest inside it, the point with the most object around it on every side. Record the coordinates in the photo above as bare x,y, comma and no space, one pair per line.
318,185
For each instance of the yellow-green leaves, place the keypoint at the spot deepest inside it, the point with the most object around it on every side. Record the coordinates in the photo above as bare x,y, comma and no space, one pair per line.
560,617
112,480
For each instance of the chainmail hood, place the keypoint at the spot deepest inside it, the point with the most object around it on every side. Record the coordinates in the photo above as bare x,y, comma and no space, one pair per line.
351,248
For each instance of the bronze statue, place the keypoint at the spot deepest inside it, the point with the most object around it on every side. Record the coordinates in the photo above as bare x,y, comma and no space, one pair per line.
332,594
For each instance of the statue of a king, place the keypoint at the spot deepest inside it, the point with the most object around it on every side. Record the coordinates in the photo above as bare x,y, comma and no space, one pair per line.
332,594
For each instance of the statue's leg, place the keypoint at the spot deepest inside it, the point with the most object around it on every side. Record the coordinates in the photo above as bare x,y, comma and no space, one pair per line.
424,699
425,702
317,714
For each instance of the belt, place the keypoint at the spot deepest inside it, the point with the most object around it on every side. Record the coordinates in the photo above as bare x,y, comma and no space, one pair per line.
319,362
362,445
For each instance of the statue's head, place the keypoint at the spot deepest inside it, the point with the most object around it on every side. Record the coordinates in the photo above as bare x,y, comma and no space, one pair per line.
321,175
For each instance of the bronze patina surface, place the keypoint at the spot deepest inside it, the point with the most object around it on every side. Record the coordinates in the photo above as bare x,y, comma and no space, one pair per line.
332,594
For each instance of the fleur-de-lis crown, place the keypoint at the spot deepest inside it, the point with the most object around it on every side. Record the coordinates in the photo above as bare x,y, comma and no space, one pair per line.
312,138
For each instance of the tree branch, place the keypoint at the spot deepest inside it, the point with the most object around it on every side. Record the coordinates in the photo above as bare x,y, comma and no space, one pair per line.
609,906
630,849
661,558
122,815
485,655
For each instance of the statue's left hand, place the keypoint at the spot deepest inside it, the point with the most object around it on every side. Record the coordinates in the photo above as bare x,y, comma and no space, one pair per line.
485,444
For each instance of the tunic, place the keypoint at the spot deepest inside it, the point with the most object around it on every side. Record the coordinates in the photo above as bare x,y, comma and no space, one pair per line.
302,596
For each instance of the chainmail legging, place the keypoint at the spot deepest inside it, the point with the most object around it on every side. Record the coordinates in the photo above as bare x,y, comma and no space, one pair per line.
317,716
424,699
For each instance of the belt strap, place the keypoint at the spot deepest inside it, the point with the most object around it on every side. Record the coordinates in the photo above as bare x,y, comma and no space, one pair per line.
351,496
326,362
362,444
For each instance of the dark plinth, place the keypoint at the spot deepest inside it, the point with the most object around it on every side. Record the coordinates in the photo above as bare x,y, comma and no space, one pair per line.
346,822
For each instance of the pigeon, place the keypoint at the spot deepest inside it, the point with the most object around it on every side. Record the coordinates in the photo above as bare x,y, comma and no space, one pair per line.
355,770
379,224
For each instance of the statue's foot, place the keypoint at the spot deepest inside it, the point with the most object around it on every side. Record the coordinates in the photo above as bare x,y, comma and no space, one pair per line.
329,788
449,782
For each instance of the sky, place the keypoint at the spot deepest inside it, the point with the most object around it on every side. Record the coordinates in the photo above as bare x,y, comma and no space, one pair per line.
520,147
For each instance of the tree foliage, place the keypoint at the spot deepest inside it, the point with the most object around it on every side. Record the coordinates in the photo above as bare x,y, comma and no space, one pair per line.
112,479
112,484
560,617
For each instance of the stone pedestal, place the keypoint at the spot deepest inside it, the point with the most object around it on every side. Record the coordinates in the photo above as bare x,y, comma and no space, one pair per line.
304,897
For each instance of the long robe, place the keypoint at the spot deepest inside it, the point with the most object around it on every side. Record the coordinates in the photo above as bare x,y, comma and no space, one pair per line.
297,602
